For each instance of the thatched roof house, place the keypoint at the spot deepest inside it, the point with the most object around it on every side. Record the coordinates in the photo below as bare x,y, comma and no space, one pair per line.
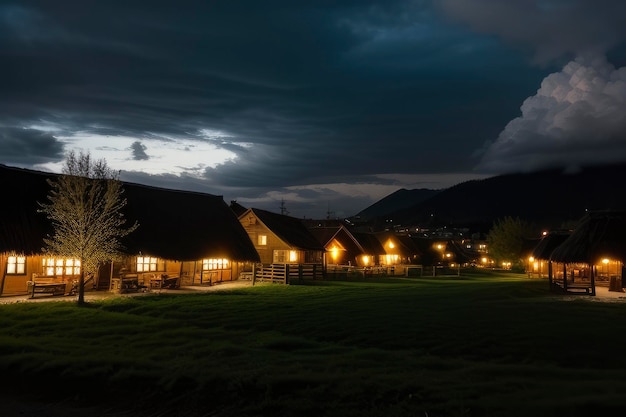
184,226
600,234
175,225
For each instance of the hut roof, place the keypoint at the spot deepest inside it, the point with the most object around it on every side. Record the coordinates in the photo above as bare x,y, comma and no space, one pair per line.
184,226
546,245
290,229
175,225
22,227
600,234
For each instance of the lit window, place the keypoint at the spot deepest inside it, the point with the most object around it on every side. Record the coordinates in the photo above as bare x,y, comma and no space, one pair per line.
16,265
60,266
211,264
391,259
262,241
149,264
284,256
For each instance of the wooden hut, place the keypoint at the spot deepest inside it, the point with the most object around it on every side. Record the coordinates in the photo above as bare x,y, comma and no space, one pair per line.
285,246
593,254
345,248
539,262
184,238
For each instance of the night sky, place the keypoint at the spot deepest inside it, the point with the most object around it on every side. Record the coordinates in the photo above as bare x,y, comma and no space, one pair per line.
327,105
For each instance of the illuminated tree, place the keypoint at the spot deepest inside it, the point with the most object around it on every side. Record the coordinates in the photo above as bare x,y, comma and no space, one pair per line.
85,208
506,239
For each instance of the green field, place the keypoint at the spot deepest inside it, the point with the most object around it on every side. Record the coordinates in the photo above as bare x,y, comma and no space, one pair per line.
474,345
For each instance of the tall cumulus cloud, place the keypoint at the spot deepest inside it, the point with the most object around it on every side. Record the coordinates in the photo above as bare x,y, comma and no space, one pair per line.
578,115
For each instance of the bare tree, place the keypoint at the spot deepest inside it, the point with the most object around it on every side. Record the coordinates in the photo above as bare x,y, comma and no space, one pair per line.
85,208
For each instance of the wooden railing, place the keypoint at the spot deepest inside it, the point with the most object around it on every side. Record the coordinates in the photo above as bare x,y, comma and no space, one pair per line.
286,273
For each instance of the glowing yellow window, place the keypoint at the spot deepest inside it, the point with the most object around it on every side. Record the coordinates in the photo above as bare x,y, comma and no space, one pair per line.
212,264
16,265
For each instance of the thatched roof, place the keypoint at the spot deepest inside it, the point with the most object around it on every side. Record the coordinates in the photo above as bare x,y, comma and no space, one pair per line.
175,225
22,228
546,245
184,226
290,229
600,234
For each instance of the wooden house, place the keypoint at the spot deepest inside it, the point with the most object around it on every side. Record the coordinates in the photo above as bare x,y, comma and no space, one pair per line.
282,242
183,238
594,253
400,251
373,251
344,248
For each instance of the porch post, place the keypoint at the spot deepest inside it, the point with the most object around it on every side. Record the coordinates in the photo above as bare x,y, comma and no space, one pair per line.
550,273
593,280
564,276
4,271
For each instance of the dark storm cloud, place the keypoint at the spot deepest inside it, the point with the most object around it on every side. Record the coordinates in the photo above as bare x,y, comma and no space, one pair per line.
24,147
302,92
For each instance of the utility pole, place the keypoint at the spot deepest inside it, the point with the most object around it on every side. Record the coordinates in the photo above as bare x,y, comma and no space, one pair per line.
283,208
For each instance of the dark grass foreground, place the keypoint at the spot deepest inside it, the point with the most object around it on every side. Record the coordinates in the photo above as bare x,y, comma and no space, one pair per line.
463,346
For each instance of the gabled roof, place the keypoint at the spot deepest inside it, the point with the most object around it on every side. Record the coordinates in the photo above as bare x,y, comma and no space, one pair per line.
289,229
237,208
405,246
325,235
600,234
175,225
369,242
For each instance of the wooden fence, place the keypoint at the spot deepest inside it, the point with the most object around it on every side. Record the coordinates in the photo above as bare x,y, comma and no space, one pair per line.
284,273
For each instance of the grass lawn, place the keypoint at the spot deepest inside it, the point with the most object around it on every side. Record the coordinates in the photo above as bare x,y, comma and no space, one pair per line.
474,345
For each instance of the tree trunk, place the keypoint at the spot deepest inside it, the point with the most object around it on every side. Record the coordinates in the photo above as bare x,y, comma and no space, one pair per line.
81,284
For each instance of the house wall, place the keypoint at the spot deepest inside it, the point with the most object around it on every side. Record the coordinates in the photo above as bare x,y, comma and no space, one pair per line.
255,228
17,284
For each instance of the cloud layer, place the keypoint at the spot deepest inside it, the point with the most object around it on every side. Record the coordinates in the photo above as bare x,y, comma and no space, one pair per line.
305,101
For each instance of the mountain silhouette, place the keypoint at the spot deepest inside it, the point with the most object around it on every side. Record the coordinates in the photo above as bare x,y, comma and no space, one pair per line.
548,198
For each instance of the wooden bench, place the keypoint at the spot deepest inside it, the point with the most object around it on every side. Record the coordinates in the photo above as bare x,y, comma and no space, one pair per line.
46,287
246,275
574,287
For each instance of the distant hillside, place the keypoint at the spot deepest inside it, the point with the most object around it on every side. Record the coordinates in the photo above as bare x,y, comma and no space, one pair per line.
399,200
548,198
